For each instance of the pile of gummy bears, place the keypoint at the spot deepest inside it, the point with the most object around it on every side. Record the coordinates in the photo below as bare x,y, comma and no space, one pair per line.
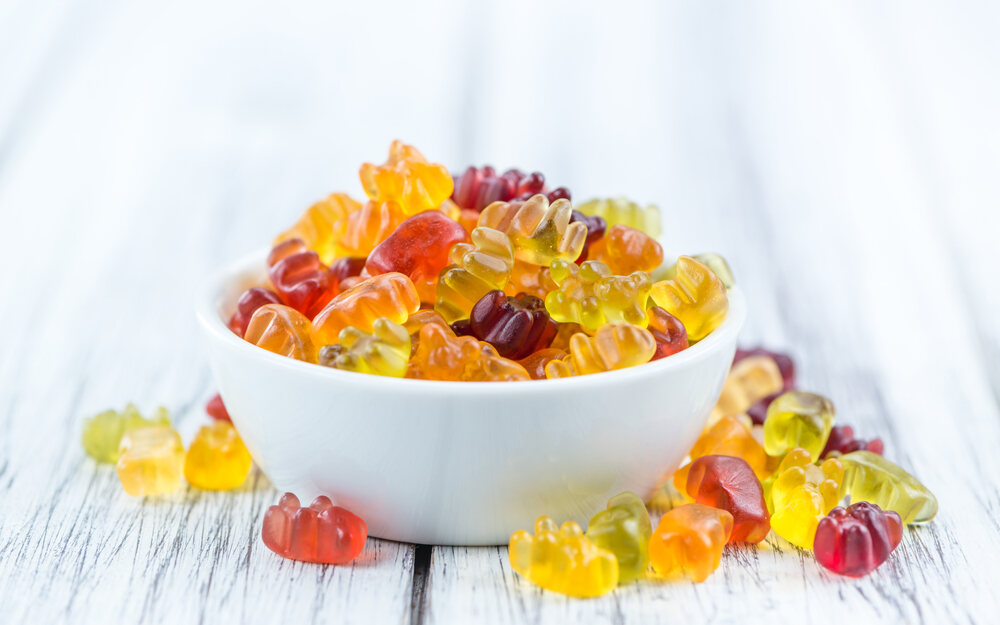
480,277
486,277
770,459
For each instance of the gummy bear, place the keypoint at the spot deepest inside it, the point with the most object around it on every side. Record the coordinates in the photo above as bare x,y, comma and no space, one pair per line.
315,226
749,381
150,460
529,279
870,477
596,228
591,296
535,363
563,560
539,232
689,539
303,282
282,330
476,269
857,540
390,295
421,318
785,363
515,326
726,437
418,248
102,433
614,346
624,250
695,295
624,530
384,351
345,268
216,409
842,441
667,331
798,419
564,333
715,262
728,483
408,179
357,234
217,458
625,212
247,305
440,355
322,533
800,493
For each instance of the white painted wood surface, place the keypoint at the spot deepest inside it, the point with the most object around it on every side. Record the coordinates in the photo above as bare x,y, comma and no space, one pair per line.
844,156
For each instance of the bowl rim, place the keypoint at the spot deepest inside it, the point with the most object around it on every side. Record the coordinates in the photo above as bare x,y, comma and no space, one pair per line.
211,319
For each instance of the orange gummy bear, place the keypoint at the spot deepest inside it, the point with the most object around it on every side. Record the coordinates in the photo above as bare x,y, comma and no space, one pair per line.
282,330
689,539
315,226
726,437
624,250
408,179
440,355
390,295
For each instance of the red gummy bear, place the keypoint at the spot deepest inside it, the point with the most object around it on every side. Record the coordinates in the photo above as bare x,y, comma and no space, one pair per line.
344,268
842,440
299,276
516,326
247,305
322,533
856,541
216,409
478,187
596,227
670,334
785,363
758,411
418,248
728,483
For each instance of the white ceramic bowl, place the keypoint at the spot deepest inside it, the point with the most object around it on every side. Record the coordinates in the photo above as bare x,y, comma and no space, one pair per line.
461,463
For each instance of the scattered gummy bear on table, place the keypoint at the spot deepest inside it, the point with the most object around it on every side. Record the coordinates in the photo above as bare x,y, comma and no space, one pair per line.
487,277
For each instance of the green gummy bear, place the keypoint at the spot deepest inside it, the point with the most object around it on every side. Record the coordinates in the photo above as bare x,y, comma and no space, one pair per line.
624,530
870,477
102,433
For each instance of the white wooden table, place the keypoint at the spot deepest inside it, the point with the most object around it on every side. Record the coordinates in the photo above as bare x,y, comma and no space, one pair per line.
843,156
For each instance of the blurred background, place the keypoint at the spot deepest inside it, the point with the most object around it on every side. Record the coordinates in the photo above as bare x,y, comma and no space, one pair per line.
843,155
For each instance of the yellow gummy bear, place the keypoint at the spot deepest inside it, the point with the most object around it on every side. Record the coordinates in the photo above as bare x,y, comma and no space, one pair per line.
614,346
799,494
217,458
591,296
563,560
408,179
623,211
102,433
477,268
151,461
715,262
539,232
315,226
798,419
870,477
695,295
384,351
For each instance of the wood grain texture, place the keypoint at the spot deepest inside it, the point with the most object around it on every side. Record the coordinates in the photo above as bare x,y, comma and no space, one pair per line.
842,155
